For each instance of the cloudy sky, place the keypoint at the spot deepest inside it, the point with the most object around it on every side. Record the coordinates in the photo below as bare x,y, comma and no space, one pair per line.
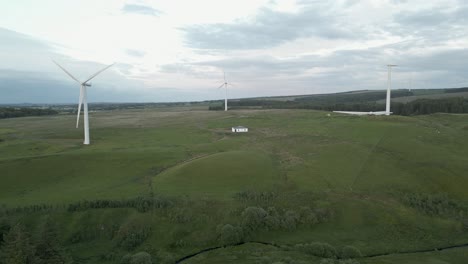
176,50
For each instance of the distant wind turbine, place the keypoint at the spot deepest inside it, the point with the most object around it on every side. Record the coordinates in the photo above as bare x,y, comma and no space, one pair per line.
225,84
387,106
83,99
389,88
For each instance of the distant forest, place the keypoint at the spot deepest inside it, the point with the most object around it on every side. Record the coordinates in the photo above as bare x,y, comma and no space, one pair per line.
10,112
365,102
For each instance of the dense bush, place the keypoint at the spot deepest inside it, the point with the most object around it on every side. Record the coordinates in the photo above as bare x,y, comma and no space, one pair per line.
142,204
132,234
256,196
290,220
254,218
434,204
229,235
318,249
348,252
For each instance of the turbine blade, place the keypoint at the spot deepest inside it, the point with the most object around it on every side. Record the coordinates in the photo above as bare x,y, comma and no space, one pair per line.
221,86
69,74
96,74
79,107
224,76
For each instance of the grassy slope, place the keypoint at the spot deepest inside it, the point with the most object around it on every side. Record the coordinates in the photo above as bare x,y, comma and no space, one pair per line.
356,163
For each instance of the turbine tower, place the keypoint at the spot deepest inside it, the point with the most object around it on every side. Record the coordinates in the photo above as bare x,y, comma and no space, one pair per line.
83,99
389,87
225,84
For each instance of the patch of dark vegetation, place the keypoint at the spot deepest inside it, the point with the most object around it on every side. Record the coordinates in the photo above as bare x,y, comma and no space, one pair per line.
318,249
254,219
256,196
30,209
131,235
137,258
435,204
10,112
142,204
456,90
19,246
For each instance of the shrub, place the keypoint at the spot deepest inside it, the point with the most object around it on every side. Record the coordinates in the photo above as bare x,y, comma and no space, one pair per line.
318,249
350,252
229,234
253,218
290,220
131,235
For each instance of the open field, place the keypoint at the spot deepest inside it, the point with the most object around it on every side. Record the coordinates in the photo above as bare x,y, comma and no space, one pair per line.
380,184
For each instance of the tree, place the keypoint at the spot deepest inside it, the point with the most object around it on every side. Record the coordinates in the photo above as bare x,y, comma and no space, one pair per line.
17,248
253,218
48,249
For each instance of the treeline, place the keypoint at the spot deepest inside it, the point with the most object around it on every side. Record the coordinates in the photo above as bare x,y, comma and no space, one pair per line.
17,245
429,106
436,204
416,107
10,112
254,219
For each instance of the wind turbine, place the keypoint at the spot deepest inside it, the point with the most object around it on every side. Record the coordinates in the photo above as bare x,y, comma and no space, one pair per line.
225,84
83,99
389,87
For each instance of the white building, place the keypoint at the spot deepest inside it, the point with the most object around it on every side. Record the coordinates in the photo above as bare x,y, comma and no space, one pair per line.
238,129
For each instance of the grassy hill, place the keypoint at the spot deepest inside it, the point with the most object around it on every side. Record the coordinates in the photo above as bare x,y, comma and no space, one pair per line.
174,183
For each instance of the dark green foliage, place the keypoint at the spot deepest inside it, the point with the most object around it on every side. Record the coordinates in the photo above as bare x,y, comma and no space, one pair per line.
253,218
30,209
348,252
131,235
256,196
256,218
348,261
4,228
10,112
273,220
318,249
138,258
429,106
18,248
229,235
48,247
181,215
142,204
290,220
434,204
308,216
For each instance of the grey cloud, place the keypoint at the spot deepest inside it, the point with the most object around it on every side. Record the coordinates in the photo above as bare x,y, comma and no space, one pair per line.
269,28
434,24
141,9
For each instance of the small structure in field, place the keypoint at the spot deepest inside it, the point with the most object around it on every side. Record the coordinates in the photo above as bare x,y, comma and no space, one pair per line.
239,129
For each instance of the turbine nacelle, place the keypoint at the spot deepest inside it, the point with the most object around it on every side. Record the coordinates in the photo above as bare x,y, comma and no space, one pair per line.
86,84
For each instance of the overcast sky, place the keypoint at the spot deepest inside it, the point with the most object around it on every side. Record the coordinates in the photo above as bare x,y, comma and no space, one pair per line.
176,50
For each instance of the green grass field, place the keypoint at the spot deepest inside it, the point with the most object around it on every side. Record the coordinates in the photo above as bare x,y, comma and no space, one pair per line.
357,169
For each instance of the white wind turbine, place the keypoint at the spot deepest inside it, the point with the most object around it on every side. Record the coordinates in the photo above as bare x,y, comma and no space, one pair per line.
83,99
225,84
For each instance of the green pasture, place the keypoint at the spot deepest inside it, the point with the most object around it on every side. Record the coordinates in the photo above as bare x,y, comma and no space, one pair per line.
356,167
